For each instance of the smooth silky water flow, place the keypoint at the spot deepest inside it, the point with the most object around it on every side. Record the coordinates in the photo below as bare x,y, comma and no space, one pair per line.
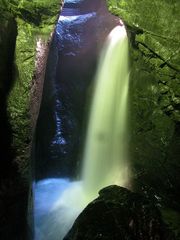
105,156
58,202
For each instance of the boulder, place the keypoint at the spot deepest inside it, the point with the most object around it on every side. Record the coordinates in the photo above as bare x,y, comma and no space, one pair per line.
119,214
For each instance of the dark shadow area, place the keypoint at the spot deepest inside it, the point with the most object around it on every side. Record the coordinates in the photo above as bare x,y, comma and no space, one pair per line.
6,81
13,190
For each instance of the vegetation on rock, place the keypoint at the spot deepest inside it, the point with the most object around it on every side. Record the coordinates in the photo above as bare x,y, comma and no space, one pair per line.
35,19
22,23
155,97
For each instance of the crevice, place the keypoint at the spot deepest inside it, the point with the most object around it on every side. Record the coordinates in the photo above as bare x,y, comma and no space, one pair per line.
158,56
7,78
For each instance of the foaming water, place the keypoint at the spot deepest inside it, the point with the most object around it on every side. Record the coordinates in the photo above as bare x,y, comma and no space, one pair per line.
58,202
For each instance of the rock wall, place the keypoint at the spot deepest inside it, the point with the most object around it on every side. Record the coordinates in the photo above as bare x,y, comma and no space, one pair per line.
23,25
120,214
153,29
8,33
35,21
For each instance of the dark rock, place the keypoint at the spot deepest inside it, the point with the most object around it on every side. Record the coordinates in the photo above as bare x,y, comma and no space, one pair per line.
119,214
8,33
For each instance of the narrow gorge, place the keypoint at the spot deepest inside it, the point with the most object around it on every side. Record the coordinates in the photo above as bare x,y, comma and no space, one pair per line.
50,55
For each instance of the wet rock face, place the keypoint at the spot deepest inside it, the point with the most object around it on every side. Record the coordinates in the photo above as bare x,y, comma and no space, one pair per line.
154,94
70,71
119,214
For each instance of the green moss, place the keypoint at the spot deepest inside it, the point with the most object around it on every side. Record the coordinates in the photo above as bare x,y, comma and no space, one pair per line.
154,96
172,218
18,104
159,22
33,11
35,19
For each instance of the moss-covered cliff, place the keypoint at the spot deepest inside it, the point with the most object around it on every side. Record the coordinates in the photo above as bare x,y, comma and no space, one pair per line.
35,21
153,28
25,28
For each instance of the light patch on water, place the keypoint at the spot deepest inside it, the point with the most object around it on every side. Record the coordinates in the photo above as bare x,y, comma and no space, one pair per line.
77,19
68,24
73,1
57,204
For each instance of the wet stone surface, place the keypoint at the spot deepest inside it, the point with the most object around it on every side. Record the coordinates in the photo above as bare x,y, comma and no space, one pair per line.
119,214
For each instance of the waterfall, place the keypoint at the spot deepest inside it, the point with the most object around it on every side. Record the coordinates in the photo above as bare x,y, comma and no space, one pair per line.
105,156
59,201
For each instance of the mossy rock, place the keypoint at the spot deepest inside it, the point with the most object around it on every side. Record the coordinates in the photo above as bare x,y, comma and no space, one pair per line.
119,214
35,20
154,96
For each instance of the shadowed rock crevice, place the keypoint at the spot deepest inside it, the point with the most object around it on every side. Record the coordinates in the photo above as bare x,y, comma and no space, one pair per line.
8,32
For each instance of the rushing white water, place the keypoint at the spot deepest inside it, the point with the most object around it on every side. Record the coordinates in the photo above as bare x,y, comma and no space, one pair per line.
105,156
58,201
